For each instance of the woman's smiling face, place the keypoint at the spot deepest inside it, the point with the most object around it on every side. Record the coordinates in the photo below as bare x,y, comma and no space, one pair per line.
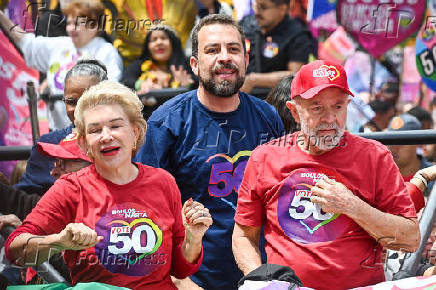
110,136
159,46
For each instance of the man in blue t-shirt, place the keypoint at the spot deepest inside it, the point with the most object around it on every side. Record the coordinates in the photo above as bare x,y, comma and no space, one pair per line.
204,138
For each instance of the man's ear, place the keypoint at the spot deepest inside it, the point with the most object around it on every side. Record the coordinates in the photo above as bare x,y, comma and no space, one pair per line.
193,61
293,108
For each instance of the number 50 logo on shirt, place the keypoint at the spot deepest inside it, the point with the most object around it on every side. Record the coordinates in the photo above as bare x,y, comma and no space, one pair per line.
302,220
132,241
226,176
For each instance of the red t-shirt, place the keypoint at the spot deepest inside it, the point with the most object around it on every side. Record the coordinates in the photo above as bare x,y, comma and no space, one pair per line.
140,222
327,251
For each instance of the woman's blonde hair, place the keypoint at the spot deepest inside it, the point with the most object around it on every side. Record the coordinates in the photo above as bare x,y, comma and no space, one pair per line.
111,93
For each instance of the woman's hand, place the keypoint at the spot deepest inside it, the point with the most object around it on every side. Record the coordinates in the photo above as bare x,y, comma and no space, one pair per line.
196,219
13,30
181,75
77,236
148,85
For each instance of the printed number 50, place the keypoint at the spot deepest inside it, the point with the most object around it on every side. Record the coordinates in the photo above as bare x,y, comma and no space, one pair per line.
309,208
428,61
134,242
222,173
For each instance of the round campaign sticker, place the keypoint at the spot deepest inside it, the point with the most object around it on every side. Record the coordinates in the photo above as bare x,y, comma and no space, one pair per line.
270,49
426,55
131,242
302,220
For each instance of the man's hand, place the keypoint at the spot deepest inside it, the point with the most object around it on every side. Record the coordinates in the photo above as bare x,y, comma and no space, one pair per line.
332,196
9,220
77,236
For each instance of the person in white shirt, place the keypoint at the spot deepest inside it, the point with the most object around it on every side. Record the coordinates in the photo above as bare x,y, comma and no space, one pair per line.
56,55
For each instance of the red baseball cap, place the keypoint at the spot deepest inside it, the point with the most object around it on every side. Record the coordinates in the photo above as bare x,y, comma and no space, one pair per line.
316,76
68,148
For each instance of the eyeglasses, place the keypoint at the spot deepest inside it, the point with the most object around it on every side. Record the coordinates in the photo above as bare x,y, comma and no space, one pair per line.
70,101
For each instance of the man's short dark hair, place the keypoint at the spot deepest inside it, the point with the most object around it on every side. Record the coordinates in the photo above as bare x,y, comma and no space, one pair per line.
210,20
421,114
280,2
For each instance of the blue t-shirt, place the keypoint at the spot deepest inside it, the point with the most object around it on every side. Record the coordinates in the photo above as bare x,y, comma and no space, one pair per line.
207,153
37,178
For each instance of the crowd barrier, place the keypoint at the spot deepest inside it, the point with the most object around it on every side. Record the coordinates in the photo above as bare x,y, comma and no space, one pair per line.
416,137
161,95
45,270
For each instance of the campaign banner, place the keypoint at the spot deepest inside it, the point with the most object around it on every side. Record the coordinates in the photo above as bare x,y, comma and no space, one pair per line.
337,47
379,25
15,125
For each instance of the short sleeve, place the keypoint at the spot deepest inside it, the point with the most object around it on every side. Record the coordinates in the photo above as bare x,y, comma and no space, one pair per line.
249,210
392,195
416,196
300,47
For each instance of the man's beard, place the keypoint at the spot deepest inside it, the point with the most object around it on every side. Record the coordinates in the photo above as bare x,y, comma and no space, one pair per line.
326,142
225,88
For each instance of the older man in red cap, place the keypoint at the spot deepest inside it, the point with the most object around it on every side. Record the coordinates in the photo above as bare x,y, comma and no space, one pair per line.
328,200
68,158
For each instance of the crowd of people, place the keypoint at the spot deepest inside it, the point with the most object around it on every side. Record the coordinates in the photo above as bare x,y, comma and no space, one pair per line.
216,186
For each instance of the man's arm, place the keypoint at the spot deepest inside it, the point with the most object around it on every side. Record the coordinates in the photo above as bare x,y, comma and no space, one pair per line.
269,79
245,245
391,231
